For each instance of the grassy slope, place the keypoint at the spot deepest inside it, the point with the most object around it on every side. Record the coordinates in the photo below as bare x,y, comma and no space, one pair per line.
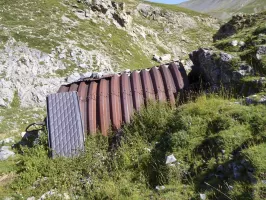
207,137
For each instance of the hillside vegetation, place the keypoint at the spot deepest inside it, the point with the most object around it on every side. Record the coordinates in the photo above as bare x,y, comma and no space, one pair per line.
219,146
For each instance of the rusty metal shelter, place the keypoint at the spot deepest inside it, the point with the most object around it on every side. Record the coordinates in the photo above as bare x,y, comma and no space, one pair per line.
108,102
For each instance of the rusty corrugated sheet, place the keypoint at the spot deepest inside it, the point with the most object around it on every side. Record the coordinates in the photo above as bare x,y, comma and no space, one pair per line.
83,93
158,84
177,77
73,87
92,108
110,101
63,88
170,88
126,98
137,92
116,112
148,89
103,113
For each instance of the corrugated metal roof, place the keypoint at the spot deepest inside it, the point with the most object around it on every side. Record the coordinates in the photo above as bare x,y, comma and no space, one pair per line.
110,101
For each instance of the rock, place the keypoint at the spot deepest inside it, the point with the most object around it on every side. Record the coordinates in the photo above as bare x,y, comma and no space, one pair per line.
210,67
160,187
170,159
225,57
5,153
31,198
166,57
255,99
258,56
86,75
247,68
30,80
261,50
220,168
7,92
73,77
203,196
241,43
99,75
236,171
83,65
147,149
262,100
127,71
7,140
156,58
54,193
237,75
230,187
234,43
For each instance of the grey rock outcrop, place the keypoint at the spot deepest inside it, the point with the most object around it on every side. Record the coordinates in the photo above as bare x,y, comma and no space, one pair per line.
215,66
32,74
106,10
25,70
5,153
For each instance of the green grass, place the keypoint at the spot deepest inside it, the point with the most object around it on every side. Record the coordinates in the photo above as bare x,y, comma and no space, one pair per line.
203,135
17,119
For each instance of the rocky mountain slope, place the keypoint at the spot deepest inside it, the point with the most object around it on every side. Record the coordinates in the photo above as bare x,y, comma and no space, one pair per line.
210,147
224,9
55,39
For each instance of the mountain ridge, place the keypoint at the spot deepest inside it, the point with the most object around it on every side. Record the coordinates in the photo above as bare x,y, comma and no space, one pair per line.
224,9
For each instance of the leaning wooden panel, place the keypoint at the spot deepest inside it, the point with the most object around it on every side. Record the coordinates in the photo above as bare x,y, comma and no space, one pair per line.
115,102
126,98
178,79
73,87
104,106
147,86
91,114
63,88
168,84
82,93
158,84
137,92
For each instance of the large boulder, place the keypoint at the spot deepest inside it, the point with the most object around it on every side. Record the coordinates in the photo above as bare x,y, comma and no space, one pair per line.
217,67
214,66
